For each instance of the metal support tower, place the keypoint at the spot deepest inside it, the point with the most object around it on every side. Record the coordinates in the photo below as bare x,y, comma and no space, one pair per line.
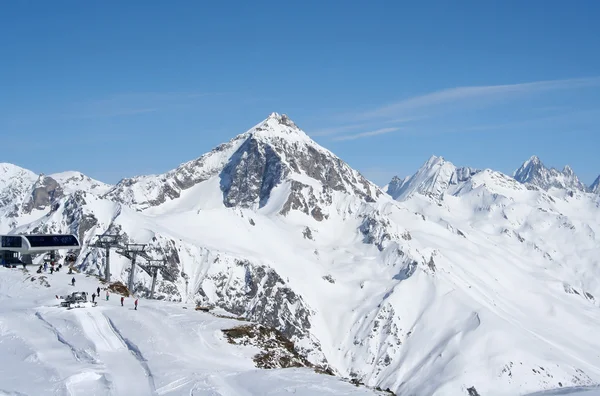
131,251
152,267
107,242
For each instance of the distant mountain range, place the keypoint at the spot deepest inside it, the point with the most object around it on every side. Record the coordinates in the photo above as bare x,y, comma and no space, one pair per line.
437,175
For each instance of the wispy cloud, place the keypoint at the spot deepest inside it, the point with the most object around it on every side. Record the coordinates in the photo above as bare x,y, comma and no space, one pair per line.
337,130
128,104
361,135
473,93
450,110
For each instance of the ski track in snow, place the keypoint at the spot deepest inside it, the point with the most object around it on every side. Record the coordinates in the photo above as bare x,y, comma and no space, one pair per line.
116,354
80,356
160,349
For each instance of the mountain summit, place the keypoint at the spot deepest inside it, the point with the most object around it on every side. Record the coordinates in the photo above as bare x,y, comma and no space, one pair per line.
433,179
251,166
534,172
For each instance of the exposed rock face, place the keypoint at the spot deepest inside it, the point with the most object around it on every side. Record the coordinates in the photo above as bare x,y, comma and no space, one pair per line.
250,175
277,351
257,293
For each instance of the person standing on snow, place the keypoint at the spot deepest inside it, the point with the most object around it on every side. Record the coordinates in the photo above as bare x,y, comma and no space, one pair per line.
136,302
98,291
93,297
107,295
73,281
122,299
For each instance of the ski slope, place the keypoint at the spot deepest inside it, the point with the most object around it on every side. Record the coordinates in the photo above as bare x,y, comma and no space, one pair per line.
160,349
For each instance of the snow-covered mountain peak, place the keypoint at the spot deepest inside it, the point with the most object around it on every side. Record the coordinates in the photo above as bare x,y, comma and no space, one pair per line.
567,170
432,179
278,127
72,181
433,161
534,172
274,154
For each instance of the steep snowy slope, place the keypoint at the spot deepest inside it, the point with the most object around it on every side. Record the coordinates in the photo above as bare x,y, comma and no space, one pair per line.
473,282
595,187
160,349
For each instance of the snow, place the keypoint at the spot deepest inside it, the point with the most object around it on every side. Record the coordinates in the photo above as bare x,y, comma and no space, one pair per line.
434,178
575,391
535,172
73,181
159,349
470,279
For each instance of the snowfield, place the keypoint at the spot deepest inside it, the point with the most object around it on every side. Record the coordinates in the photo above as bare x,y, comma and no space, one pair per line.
161,349
457,282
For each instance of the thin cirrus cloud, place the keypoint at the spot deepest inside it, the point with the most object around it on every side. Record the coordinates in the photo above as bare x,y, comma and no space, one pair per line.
418,108
381,131
471,93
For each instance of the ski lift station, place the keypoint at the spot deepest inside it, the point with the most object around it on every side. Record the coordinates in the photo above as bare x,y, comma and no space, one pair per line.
17,248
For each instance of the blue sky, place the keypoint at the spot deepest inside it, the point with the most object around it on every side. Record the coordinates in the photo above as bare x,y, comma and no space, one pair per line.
116,89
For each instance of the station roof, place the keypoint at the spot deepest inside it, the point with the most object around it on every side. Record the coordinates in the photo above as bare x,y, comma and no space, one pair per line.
32,243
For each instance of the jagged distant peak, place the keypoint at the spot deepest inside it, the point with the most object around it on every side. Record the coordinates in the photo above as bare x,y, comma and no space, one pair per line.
595,187
434,160
534,159
433,178
533,171
567,170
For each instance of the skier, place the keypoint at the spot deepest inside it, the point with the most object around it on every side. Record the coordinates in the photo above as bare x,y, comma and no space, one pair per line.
45,267
98,291
93,297
107,295
136,302
51,270
73,281
122,299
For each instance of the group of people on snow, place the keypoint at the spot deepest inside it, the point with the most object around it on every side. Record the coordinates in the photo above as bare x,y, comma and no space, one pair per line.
44,267
97,294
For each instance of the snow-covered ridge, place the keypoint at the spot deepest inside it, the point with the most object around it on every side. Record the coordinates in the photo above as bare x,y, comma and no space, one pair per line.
437,176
